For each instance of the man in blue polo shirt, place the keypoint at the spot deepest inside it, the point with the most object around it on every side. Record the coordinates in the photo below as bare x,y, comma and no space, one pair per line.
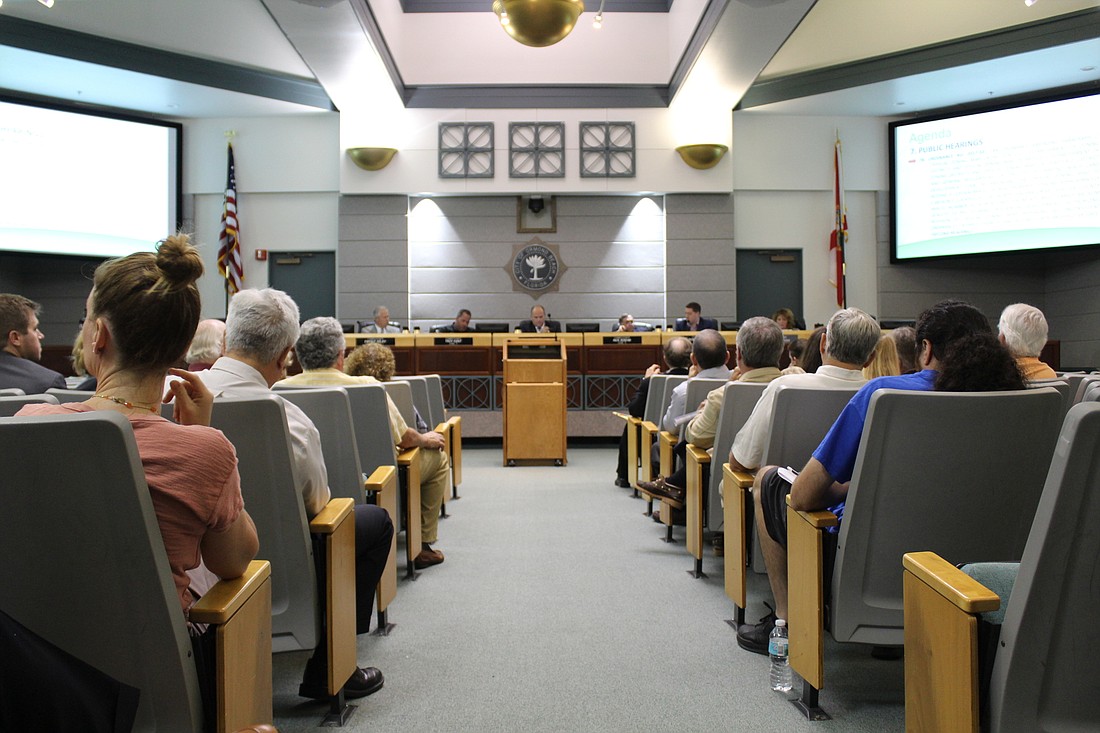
823,482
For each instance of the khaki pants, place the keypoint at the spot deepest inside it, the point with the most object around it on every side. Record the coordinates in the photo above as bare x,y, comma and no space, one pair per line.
435,480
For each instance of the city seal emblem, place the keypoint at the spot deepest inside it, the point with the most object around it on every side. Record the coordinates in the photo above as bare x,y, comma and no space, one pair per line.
536,266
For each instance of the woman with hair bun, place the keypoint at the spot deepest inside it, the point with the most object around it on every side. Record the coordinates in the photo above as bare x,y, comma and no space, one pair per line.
141,315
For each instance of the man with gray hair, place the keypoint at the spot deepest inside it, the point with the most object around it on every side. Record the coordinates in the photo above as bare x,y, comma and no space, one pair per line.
1023,331
759,346
708,361
320,350
847,346
261,329
207,345
381,322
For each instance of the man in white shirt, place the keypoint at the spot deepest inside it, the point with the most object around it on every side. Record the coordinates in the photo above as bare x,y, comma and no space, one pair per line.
261,329
848,345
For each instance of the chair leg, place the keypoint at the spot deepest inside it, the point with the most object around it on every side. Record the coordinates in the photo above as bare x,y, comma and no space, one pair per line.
668,535
384,625
338,712
807,703
697,572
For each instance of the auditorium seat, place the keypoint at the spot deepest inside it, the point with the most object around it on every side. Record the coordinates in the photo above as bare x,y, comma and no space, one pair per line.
330,411
922,481
1046,668
85,568
801,417
70,395
11,404
703,503
657,401
422,387
305,613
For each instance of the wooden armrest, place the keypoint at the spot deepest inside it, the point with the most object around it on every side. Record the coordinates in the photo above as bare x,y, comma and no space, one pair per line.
383,478
649,427
443,428
699,455
817,520
668,438
329,518
957,587
741,479
737,520
622,415
407,456
227,596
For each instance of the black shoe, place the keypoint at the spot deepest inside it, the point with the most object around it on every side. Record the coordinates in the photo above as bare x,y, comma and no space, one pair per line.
622,483
754,637
364,681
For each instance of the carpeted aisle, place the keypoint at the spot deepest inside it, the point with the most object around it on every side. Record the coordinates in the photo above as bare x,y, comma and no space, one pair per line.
559,609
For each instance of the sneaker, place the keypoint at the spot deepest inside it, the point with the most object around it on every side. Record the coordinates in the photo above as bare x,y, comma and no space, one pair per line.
754,637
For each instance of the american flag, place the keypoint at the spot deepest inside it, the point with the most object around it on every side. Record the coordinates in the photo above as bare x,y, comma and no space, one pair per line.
229,241
839,236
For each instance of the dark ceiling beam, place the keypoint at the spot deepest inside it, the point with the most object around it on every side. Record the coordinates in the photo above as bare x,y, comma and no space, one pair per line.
92,49
707,23
1048,33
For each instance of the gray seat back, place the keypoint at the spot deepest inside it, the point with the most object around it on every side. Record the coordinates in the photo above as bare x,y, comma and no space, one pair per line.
435,399
419,389
1081,382
957,473
257,428
371,417
1048,663
330,411
1092,393
801,416
11,391
86,569
738,401
697,391
11,404
71,395
1067,390
654,399
401,394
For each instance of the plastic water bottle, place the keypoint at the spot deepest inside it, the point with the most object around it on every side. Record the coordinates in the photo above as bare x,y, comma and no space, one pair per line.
777,650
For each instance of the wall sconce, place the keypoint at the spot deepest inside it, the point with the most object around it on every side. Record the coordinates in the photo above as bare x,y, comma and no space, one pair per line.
372,159
702,156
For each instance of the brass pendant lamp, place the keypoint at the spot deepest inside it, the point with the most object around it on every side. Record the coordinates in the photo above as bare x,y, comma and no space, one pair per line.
538,23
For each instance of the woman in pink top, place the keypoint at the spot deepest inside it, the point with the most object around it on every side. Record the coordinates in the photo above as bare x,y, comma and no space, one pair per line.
141,316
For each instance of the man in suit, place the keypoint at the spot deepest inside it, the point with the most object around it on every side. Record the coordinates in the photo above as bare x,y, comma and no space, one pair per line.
538,322
693,319
21,348
461,324
677,354
381,322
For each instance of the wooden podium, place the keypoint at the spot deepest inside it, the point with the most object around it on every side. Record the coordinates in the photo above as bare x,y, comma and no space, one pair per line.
534,400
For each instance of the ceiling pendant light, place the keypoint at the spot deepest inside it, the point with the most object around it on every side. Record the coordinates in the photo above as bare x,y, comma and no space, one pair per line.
538,23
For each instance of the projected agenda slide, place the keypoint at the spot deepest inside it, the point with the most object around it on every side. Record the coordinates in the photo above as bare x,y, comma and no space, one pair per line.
999,181
84,184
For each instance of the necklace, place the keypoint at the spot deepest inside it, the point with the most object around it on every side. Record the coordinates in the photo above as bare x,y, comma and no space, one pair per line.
124,403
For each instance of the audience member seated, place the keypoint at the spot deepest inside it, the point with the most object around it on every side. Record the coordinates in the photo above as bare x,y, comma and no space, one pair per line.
89,382
811,357
884,362
461,324
693,319
375,361
141,314
1023,331
626,323
795,353
708,361
905,339
850,338
958,352
538,323
677,353
759,346
22,347
260,330
381,322
207,346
